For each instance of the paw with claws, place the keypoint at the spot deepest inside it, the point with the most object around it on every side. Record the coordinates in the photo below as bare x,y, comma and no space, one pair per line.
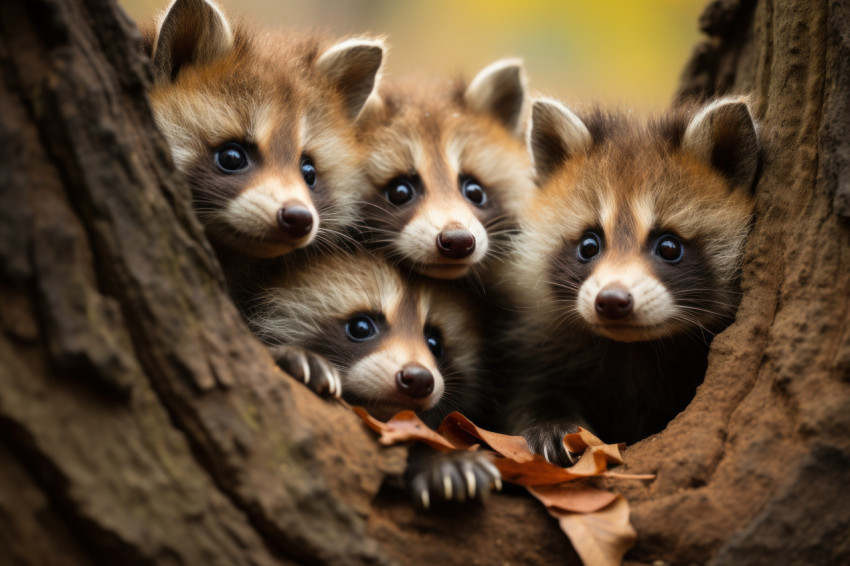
313,370
450,476
548,441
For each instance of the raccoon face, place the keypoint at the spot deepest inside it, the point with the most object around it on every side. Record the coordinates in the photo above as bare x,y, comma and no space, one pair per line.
448,168
648,228
262,127
397,343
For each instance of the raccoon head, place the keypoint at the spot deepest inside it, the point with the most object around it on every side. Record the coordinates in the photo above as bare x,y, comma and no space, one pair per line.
261,126
640,229
448,166
397,343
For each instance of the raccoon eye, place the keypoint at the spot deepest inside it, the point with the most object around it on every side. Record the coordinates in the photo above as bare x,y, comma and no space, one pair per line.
360,328
669,248
400,191
589,247
308,171
434,341
474,192
231,157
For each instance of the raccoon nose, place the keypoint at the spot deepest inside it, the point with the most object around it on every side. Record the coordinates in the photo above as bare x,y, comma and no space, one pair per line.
295,219
415,381
456,244
614,302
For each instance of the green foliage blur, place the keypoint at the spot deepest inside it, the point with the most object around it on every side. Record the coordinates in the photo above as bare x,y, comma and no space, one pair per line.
623,52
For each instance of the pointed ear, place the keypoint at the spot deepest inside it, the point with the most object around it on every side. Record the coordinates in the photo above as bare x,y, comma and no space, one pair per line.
191,32
724,135
556,135
353,66
500,90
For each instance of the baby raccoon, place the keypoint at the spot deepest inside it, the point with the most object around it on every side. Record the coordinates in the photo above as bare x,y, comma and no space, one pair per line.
626,266
449,168
351,324
262,126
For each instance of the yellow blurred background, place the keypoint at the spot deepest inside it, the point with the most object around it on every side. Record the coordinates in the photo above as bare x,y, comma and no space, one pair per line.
626,52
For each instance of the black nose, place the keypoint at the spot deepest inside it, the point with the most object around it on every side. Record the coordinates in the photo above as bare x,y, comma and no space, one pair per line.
614,302
414,381
455,244
295,219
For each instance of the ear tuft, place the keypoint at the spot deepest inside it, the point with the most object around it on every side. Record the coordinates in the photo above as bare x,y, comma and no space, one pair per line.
556,135
501,90
191,32
353,67
724,135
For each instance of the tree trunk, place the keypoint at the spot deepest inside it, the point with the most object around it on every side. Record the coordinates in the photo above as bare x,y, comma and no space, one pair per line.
140,422
755,470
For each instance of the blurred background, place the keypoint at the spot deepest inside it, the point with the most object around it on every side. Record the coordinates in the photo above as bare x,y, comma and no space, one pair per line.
623,52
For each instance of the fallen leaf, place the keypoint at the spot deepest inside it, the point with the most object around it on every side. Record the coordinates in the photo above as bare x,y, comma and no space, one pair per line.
402,427
578,499
462,432
595,521
578,442
600,538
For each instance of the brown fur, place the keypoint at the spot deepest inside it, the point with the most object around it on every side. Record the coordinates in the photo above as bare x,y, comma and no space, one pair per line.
269,93
431,133
309,304
631,184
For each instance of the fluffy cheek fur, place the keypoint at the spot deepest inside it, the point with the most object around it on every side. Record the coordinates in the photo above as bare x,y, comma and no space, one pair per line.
654,314
250,219
417,242
372,381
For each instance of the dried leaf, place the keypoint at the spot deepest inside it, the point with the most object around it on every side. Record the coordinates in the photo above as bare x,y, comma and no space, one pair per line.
578,499
578,442
461,432
595,521
402,427
600,538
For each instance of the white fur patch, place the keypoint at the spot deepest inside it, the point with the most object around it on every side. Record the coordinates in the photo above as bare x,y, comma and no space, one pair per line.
492,85
254,212
697,138
654,306
417,242
373,377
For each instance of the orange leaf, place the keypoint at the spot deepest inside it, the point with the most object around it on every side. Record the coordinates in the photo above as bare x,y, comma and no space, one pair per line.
600,538
460,431
540,472
404,426
579,499
578,442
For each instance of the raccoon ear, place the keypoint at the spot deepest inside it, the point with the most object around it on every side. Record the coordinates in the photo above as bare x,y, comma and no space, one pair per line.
556,134
500,89
353,67
191,31
724,135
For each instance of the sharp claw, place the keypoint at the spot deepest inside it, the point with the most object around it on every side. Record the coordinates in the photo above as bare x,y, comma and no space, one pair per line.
447,487
306,370
338,384
424,498
494,473
331,383
546,454
470,481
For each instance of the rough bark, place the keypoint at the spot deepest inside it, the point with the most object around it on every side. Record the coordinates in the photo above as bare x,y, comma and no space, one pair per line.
141,423
751,472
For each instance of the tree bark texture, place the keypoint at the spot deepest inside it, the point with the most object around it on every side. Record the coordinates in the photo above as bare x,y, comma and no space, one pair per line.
141,423
753,472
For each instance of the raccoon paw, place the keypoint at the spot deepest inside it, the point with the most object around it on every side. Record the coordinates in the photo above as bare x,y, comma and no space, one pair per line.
311,369
450,476
548,441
